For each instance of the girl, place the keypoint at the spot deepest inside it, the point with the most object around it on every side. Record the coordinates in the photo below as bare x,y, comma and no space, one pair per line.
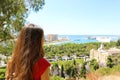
28,62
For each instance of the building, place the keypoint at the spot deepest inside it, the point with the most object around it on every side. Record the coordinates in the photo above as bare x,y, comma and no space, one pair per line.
52,37
2,60
103,39
101,54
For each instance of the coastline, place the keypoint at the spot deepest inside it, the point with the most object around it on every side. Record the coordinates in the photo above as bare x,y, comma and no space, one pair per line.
78,39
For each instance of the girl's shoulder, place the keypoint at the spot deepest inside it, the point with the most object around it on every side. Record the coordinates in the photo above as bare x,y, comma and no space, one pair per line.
39,67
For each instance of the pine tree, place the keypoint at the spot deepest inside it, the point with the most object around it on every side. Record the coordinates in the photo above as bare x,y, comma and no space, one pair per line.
62,72
83,70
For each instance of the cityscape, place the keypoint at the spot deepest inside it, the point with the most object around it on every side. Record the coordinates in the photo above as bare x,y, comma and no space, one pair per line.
100,53
81,37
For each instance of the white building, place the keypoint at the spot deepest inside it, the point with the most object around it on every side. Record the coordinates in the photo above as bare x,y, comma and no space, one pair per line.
103,39
101,54
52,37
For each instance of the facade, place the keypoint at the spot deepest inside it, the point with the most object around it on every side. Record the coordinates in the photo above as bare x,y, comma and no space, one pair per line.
101,54
52,37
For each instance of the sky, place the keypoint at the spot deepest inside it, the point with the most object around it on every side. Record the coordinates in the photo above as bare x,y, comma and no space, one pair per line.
78,17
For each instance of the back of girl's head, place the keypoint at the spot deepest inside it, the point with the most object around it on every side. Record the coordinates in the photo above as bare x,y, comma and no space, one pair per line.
28,49
32,37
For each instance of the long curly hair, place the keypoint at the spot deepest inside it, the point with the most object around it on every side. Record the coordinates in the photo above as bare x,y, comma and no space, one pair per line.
28,49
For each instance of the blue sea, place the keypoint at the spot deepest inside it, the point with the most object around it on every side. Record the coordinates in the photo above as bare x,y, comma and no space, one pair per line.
86,38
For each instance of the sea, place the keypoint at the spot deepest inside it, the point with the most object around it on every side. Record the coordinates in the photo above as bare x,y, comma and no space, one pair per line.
87,38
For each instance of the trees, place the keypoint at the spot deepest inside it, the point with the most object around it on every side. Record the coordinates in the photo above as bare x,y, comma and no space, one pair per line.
62,72
94,64
71,70
12,17
110,62
118,43
83,70
73,49
13,14
6,48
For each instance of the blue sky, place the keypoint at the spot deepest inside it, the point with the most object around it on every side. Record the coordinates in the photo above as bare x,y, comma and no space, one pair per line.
81,17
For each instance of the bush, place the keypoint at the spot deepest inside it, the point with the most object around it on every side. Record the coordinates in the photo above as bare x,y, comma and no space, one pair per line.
110,62
2,72
94,64
56,78
108,71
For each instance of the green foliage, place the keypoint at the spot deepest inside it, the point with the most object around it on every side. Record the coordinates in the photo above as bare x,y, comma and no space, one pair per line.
70,49
103,71
64,63
118,43
12,17
56,78
71,71
2,72
107,71
113,60
108,45
62,71
94,64
116,68
56,65
116,59
70,67
13,14
74,62
6,47
83,70
110,62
